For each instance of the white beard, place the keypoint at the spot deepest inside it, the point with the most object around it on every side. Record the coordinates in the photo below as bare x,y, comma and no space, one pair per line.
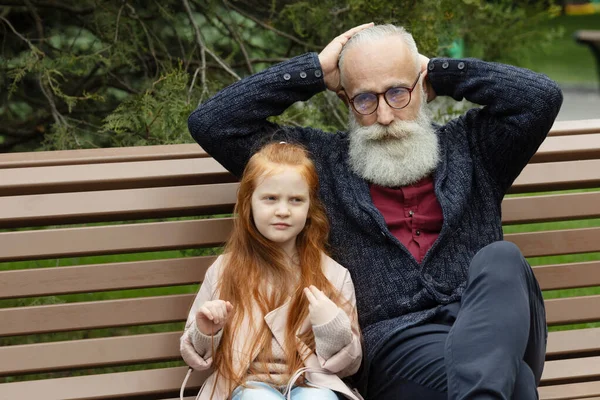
399,154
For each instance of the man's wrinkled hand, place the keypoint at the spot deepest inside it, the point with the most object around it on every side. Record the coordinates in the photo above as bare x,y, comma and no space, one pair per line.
330,54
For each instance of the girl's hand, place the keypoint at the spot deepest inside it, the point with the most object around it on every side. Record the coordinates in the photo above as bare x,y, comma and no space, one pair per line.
321,309
212,316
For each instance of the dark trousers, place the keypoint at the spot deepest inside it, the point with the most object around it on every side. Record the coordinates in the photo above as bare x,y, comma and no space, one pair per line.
491,345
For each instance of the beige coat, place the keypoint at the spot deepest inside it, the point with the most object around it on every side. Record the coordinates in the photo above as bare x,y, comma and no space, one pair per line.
346,362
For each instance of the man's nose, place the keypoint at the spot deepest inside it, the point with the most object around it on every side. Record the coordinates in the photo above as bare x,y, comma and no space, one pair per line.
385,113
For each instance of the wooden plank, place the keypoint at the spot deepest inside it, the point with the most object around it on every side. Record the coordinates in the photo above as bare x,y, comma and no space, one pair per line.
550,208
115,239
551,243
123,175
92,315
94,156
572,310
89,353
103,277
588,35
563,371
121,385
576,342
116,205
582,390
567,276
569,148
578,127
558,176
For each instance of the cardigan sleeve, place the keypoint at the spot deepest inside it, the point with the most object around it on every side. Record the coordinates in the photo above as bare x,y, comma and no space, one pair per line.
232,125
519,108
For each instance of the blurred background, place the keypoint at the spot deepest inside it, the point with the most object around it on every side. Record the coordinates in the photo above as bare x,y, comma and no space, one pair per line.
91,73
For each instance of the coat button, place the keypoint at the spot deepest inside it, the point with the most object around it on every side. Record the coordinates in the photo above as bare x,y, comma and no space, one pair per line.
287,77
430,66
445,65
428,277
302,74
461,65
318,73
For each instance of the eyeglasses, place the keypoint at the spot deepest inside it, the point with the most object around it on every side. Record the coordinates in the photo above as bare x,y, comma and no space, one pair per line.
396,97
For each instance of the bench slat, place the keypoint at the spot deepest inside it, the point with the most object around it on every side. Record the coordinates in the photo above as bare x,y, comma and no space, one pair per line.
578,127
563,371
72,242
116,205
190,270
44,357
573,310
72,178
19,181
583,390
92,315
557,176
120,385
551,243
109,313
568,148
550,208
103,277
129,204
566,344
567,276
89,353
93,156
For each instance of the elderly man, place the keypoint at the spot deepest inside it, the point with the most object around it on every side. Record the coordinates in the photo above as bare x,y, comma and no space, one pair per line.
447,309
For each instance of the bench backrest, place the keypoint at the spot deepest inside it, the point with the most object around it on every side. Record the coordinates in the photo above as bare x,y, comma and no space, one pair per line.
68,304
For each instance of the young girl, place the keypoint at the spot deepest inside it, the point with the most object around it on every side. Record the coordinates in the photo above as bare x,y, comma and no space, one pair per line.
275,317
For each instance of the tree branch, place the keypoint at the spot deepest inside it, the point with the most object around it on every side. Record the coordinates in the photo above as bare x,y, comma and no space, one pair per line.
203,47
276,31
50,4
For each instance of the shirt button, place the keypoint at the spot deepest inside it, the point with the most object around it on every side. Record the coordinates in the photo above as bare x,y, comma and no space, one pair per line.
445,65
318,73
287,77
461,65
418,233
302,74
411,213
430,66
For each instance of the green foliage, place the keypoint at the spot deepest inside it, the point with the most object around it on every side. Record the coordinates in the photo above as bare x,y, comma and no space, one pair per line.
100,74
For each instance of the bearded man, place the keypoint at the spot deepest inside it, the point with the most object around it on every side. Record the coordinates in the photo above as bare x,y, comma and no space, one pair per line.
447,309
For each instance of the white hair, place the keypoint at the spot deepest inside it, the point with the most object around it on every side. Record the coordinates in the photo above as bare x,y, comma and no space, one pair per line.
379,32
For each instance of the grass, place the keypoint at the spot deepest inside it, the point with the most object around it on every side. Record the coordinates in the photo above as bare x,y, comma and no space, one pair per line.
565,60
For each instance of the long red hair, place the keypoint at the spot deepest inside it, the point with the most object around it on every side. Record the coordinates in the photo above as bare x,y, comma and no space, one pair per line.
256,272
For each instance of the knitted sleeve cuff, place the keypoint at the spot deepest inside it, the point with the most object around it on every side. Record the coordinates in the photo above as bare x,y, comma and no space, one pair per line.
204,344
333,336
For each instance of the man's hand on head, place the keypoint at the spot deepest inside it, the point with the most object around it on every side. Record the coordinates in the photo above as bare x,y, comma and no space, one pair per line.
424,61
330,54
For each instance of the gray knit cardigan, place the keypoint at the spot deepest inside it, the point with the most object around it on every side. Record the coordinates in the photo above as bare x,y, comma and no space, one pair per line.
482,152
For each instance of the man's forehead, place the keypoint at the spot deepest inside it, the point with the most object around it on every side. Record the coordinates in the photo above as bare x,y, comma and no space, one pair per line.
377,65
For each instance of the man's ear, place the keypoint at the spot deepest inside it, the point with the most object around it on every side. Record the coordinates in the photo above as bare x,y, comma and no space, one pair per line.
342,95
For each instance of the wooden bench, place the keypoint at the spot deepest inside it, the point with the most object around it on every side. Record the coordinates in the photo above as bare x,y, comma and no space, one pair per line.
592,39
73,327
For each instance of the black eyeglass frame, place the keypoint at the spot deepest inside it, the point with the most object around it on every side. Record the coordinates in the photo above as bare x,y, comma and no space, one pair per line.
410,90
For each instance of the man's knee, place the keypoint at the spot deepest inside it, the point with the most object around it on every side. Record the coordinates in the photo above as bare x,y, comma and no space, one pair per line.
502,260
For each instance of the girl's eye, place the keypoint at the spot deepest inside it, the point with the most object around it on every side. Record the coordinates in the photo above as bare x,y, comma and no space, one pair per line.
270,198
297,200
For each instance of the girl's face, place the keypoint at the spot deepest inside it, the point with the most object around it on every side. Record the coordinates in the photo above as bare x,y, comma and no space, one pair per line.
280,207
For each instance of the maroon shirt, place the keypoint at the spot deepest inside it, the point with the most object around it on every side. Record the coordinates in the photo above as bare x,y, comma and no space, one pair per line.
412,213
